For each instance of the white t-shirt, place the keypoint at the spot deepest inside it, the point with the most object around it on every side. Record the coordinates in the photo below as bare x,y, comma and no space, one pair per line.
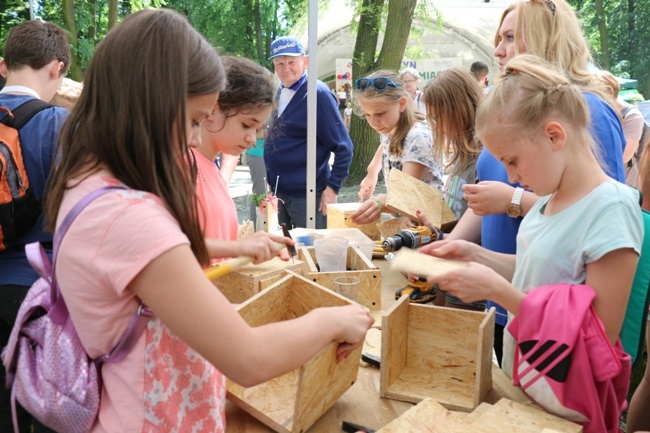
417,147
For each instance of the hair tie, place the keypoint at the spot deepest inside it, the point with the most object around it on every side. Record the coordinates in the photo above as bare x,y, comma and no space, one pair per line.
556,88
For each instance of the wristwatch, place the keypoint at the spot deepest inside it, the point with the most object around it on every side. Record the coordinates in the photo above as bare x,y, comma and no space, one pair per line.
514,208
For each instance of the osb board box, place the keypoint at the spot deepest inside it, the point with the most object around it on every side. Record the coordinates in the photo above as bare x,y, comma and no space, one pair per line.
437,352
407,194
295,401
339,216
506,416
357,265
241,284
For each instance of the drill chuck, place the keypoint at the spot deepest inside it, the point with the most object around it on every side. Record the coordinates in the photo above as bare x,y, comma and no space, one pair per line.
410,238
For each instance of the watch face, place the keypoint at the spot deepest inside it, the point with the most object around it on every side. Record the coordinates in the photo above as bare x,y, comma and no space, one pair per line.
513,210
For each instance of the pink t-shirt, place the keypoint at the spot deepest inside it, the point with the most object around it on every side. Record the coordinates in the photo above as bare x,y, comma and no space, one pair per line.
162,385
219,213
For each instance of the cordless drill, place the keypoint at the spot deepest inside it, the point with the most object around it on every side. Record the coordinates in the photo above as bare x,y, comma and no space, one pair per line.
412,237
420,291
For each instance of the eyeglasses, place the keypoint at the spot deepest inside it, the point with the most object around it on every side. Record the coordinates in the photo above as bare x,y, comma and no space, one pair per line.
379,83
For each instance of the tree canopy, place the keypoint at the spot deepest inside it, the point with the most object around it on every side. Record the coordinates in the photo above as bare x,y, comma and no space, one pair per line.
619,34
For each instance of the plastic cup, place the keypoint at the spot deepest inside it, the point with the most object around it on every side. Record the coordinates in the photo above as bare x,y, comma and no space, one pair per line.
331,253
347,286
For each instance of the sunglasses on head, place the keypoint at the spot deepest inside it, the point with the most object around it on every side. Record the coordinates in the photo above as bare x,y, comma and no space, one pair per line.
379,83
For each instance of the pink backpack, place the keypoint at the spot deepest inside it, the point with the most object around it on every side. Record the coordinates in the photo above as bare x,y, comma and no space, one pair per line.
48,370
564,360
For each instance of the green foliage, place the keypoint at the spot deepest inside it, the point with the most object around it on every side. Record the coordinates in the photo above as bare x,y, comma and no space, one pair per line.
88,15
628,32
238,27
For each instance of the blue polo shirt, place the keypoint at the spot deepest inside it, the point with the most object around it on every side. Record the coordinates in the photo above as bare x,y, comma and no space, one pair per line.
38,140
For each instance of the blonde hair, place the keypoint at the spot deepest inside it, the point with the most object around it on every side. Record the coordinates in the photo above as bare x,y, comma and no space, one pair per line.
391,95
550,30
451,100
527,94
608,80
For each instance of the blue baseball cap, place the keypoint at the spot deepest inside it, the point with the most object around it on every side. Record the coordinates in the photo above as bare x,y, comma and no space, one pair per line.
286,46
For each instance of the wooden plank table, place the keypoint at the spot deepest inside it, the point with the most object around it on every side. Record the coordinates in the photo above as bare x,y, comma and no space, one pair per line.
361,404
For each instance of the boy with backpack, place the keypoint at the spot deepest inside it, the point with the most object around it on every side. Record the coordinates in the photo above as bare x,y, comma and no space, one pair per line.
36,57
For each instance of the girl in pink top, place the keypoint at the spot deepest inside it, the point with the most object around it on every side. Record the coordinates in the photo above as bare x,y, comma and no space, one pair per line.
241,110
151,83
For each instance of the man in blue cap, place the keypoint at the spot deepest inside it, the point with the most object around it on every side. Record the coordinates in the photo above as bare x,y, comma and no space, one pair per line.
285,150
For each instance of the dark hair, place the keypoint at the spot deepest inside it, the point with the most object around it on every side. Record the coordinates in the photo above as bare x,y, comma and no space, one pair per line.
130,116
35,44
250,86
479,69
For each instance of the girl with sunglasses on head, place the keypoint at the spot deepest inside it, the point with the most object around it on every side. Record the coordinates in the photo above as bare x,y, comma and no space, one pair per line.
143,242
405,139
550,30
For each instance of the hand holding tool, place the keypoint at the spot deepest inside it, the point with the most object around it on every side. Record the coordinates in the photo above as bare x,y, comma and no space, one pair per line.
290,248
227,266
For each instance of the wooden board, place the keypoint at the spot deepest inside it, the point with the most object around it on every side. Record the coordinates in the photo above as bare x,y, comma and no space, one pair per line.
357,265
292,402
406,195
249,280
339,215
428,416
506,416
452,367
515,417
412,262
392,226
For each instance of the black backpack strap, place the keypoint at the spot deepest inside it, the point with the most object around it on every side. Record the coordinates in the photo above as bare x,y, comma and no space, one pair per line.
24,113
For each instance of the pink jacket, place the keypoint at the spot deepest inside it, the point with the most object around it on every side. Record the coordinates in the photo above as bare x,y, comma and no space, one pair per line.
564,360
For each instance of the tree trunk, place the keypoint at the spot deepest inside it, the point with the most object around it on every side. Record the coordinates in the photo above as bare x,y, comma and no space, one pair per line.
258,30
112,13
68,19
92,29
398,28
365,139
602,30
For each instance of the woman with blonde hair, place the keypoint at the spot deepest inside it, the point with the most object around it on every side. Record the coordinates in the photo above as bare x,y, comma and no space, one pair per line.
548,29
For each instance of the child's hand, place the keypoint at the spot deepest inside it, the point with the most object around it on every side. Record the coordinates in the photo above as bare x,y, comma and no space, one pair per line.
367,188
354,320
488,198
452,250
474,282
262,247
369,211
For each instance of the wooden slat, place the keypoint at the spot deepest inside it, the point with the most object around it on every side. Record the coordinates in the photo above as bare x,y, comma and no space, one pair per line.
406,195
339,215
245,282
292,402
358,265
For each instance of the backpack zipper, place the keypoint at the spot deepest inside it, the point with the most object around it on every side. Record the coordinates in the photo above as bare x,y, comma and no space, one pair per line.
15,182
